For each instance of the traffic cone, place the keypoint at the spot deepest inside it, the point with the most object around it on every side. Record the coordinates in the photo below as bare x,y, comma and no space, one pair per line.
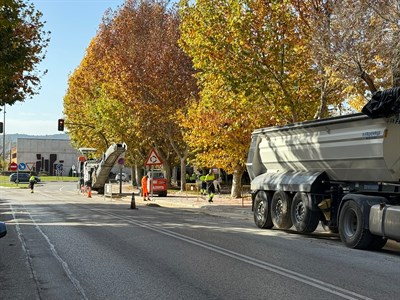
89,193
133,203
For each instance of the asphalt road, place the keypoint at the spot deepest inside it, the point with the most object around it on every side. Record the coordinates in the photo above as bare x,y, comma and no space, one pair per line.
62,245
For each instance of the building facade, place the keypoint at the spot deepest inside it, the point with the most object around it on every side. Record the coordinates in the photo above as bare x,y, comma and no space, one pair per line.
52,156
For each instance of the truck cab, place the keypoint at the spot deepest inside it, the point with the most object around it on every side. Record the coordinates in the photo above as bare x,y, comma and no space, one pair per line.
157,183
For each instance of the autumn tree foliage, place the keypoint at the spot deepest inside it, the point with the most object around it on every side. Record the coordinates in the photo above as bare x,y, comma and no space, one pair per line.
133,81
22,44
256,63
356,42
254,69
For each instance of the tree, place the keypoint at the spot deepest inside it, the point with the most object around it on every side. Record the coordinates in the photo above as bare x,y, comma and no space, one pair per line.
22,42
354,42
135,74
387,33
254,69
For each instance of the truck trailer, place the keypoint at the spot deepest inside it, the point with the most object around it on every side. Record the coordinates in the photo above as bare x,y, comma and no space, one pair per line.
342,171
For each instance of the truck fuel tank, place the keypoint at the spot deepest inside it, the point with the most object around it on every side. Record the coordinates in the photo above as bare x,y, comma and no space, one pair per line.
384,220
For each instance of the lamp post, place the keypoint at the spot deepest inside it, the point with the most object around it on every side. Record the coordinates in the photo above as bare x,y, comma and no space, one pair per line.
4,132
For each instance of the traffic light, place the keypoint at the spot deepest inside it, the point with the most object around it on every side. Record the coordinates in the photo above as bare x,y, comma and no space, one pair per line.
1,127
60,124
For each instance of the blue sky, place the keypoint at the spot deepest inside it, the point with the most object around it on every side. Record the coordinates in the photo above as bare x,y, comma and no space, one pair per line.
73,23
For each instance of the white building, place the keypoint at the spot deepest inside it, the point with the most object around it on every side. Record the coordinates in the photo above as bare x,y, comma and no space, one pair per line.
45,155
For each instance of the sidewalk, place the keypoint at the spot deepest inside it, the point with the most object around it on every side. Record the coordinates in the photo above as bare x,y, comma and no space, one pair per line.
222,205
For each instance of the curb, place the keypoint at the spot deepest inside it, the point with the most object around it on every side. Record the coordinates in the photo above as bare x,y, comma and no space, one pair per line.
222,206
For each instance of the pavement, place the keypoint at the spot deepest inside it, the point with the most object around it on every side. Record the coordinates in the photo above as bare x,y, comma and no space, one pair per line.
223,204
13,257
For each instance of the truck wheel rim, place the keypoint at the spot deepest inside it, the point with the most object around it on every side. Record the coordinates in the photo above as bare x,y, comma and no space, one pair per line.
350,223
278,208
299,211
260,210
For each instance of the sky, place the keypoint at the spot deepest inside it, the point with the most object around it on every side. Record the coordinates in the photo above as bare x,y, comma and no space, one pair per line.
73,23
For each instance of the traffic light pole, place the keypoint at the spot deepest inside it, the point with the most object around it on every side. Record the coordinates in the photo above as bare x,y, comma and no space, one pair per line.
90,126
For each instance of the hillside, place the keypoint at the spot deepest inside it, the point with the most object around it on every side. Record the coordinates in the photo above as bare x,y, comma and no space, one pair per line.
13,137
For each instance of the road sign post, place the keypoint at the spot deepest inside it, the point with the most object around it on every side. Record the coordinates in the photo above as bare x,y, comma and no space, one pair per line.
121,162
153,160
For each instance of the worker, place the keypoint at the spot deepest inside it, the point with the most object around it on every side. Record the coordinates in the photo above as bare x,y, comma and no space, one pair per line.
217,184
145,190
32,181
209,179
193,177
203,185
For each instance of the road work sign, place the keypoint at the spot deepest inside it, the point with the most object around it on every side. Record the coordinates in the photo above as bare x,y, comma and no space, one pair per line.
153,159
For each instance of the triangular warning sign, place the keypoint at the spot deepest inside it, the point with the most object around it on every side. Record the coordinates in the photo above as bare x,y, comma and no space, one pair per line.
153,159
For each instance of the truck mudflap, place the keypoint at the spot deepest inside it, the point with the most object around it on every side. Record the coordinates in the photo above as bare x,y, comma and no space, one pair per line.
287,181
384,220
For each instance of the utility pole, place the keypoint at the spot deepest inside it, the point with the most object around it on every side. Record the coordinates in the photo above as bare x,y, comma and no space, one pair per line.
4,132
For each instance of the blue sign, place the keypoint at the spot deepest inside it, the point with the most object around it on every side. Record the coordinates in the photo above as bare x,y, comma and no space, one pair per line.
21,166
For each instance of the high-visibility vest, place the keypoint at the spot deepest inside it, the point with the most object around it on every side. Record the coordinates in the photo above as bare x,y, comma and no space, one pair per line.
209,177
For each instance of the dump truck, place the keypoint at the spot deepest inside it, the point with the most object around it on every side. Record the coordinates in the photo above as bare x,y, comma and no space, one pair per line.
342,172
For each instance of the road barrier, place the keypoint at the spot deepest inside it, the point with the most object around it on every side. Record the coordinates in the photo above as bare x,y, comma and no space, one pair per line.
108,190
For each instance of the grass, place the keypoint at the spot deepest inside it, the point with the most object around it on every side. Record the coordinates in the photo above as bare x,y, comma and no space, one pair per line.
5,180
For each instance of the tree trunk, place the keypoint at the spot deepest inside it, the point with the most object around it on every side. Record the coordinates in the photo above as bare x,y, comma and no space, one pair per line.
134,175
168,171
183,173
368,80
322,99
396,59
236,191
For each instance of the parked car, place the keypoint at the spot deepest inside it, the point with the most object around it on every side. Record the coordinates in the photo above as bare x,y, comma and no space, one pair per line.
22,177
122,176
3,229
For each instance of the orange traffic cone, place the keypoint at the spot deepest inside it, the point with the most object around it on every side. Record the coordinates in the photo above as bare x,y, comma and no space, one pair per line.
89,193
133,203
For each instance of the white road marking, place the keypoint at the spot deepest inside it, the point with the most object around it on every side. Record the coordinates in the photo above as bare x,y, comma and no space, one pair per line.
319,284
53,250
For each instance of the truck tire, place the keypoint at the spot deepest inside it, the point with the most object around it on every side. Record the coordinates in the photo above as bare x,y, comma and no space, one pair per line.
352,229
303,217
280,210
262,210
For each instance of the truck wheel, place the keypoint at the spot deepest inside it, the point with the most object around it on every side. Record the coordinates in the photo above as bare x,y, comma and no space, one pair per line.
262,210
303,217
352,228
280,210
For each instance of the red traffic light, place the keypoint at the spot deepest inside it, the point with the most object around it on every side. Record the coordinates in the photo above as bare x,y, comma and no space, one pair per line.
60,124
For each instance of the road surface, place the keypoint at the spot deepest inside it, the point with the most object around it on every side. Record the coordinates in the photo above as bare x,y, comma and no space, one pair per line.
62,245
